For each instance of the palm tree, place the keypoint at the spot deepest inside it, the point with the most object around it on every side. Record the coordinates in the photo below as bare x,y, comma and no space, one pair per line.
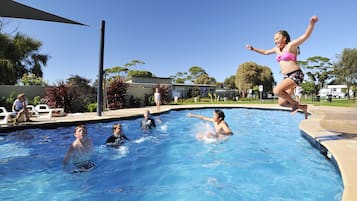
22,57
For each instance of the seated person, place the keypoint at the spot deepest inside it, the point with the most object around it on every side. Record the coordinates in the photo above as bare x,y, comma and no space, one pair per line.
221,127
117,138
79,153
147,122
19,106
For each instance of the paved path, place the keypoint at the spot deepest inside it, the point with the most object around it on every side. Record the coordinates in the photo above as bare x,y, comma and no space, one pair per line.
333,127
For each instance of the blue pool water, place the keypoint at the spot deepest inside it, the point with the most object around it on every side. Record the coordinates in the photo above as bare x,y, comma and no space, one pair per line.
265,159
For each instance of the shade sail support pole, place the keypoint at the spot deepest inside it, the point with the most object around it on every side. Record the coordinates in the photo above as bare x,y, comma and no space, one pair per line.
100,74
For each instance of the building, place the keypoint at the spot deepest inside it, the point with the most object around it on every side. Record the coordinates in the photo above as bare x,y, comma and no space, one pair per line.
337,91
143,87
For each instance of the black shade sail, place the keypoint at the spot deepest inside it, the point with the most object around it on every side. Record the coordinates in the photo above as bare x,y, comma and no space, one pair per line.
12,9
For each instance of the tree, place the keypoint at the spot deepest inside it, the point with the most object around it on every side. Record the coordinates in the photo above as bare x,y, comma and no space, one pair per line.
7,69
86,93
116,71
228,83
32,80
309,87
319,70
124,71
266,78
140,73
180,77
346,67
204,78
133,63
20,55
74,95
196,75
250,74
195,72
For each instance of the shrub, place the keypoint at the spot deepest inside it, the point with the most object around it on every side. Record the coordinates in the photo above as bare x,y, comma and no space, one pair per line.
116,93
73,96
149,99
61,96
164,93
10,100
134,102
92,107
36,100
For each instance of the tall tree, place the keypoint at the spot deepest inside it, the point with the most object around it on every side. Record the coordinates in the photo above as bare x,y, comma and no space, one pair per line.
319,70
346,67
140,73
21,54
205,79
180,77
7,69
250,74
195,72
116,71
124,70
32,80
228,83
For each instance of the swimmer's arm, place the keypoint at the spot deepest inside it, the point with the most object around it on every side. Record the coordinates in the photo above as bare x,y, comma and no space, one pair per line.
199,117
153,122
124,136
68,155
261,51
226,129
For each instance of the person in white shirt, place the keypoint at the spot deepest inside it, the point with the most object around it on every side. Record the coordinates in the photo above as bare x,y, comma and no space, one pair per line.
19,106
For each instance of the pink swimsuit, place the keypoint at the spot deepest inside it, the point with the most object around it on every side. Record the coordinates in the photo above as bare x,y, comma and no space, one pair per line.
297,76
286,56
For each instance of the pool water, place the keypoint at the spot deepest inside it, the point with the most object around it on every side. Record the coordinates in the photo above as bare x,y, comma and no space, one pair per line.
265,159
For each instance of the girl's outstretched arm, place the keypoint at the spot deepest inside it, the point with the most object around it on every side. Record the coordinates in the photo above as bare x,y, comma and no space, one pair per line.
260,51
307,33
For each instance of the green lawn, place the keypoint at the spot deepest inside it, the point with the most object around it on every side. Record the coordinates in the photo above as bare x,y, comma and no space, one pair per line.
323,102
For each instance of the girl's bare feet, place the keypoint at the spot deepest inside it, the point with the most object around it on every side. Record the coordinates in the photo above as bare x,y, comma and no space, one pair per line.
295,108
304,109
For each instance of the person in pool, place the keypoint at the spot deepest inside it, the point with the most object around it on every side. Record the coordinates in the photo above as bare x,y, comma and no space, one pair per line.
80,151
147,122
118,138
222,129
286,51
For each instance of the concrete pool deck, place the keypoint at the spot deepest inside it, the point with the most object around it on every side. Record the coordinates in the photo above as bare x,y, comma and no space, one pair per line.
335,128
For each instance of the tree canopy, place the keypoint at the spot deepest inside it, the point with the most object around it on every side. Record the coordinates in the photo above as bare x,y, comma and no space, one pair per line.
125,70
250,74
319,70
195,74
20,55
228,83
346,67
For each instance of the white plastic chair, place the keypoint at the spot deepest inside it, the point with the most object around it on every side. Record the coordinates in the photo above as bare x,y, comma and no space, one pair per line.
32,111
51,112
6,117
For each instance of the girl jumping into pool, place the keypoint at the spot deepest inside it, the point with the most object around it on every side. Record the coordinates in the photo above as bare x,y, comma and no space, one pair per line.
286,51
79,153
222,131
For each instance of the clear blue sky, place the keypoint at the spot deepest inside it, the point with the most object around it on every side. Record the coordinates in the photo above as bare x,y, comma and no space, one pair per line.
174,35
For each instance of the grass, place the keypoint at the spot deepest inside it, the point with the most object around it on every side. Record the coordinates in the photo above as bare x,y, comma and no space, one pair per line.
323,102
339,102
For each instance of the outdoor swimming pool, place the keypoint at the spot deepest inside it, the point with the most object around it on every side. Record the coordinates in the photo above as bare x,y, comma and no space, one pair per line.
265,159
